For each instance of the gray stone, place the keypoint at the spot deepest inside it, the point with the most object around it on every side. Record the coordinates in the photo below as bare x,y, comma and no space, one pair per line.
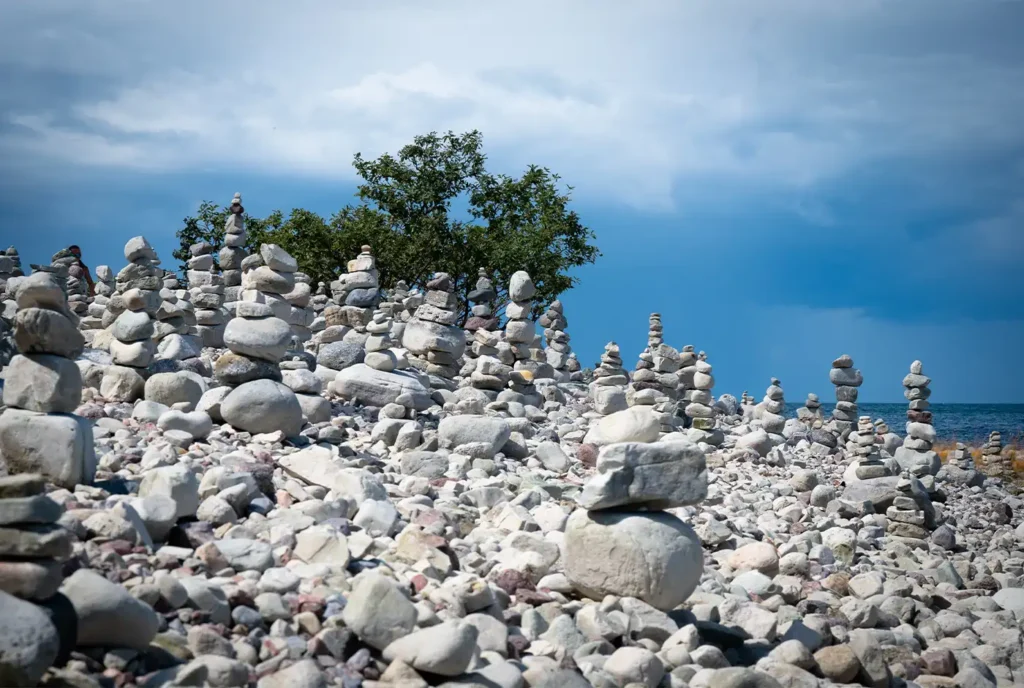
364,385
108,616
378,612
28,642
57,446
132,326
264,338
263,406
340,355
42,331
43,383
479,436
446,649
176,482
662,475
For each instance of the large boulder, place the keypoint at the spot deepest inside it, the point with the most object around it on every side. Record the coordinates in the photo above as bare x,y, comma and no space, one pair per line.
636,424
263,406
58,446
478,436
364,385
173,388
43,383
661,475
108,615
28,642
652,556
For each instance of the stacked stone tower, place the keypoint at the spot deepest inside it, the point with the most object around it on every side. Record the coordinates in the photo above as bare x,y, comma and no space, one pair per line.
916,455
774,403
847,380
357,293
434,342
207,296
520,331
700,406
992,452
608,390
233,253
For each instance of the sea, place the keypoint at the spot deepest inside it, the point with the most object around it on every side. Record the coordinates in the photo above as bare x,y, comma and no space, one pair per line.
967,423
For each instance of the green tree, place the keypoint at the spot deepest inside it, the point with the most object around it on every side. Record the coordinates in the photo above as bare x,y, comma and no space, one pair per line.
431,207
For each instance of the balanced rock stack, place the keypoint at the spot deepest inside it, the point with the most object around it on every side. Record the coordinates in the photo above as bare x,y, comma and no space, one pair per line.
644,388
811,410
700,407
132,347
174,313
32,549
608,390
774,404
557,353
992,452
481,318
960,468
302,314
621,542
520,331
10,266
43,387
435,343
886,438
65,264
307,385
906,518
105,287
233,252
867,463
916,455
207,296
687,369
846,380
258,340
379,355
357,293
401,305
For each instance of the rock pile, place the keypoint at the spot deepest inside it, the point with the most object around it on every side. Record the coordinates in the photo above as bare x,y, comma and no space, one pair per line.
258,340
42,389
867,462
482,298
379,354
434,342
621,542
357,292
301,314
608,390
992,452
233,253
520,331
886,438
960,468
906,518
65,265
207,294
105,288
10,266
700,407
307,385
916,455
557,353
175,312
774,405
846,380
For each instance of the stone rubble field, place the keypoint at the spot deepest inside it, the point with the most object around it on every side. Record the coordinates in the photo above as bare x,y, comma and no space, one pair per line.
257,482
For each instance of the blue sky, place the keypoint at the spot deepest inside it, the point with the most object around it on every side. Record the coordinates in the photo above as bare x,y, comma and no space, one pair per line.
784,181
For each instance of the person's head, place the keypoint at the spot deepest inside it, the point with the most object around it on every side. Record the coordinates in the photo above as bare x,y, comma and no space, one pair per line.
75,250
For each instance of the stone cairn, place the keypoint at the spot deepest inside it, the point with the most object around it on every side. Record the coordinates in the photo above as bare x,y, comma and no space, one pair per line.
43,387
992,452
379,355
557,352
481,318
301,313
886,438
867,461
403,304
846,380
520,331
356,293
319,302
171,315
105,288
307,385
772,419
10,266
916,455
905,518
811,410
233,253
258,339
622,526
65,265
207,296
132,347
608,390
961,457
434,342
700,407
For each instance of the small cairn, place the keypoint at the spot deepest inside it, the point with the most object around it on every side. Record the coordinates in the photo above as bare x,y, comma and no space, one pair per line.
233,253
916,455
700,408
906,519
379,355
171,316
960,468
886,438
132,346
10,266
992,452
66,265
520,331
867,462
258,340
42,389
774,404
622,524
557,352
610,379
105,288
207,295
296,376
434,342
810,411
574,369
481,317
846,380
357,293
644,389
301,313
406,302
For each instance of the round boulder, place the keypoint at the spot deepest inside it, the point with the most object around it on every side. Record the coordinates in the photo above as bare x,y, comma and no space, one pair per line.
652,556
263,406
173,388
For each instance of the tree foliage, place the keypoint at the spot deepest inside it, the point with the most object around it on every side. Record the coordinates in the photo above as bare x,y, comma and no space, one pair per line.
431,207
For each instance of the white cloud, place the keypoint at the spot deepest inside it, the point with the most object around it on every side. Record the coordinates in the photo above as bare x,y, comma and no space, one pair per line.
624,100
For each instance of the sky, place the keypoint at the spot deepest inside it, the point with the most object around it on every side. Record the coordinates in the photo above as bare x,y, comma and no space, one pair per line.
784,182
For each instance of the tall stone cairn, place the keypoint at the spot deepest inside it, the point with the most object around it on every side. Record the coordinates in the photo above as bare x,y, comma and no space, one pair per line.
356,293
301,313
105,287
133,331
608,390
867,460
557,351
258,339
916,455
906,518
481,317
175,310
684,383
42,389
773,420
846,380
233,252
700,407
810,411
65,265
434,342
992,453
10,266
10,274
207,294
520,331
379,343
622,526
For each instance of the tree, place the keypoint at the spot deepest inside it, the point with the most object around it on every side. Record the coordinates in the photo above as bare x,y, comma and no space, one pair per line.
432,207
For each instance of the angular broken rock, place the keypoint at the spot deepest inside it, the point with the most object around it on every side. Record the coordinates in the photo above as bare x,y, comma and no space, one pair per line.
660,475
